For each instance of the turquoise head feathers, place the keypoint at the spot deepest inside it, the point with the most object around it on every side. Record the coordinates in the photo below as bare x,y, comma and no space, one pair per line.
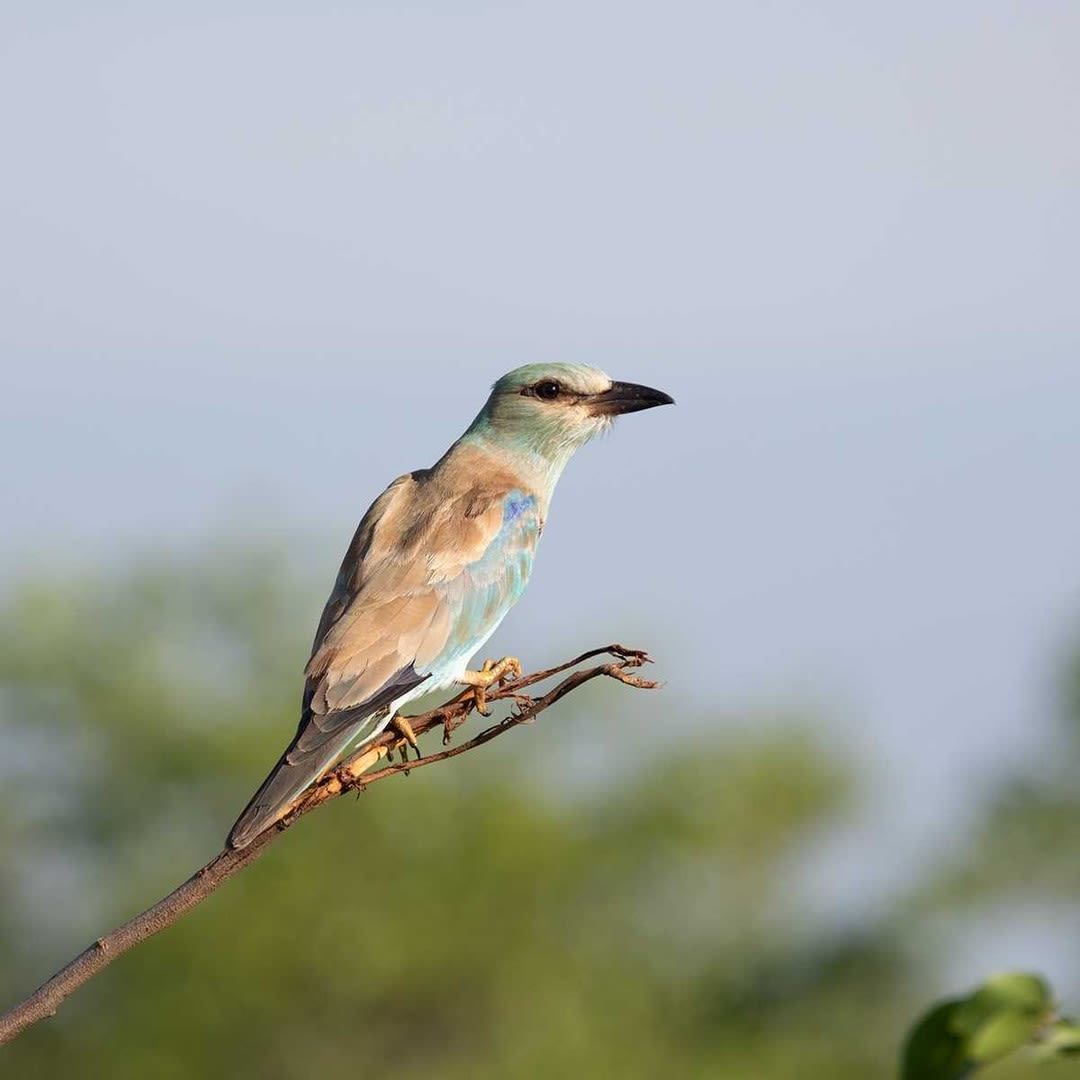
545,412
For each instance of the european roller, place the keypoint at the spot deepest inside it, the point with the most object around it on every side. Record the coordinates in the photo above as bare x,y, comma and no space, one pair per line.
434,566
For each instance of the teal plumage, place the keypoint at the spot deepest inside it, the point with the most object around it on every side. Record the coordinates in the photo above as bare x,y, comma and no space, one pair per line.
434,566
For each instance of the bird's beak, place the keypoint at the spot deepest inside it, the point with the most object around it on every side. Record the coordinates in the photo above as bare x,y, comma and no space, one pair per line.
624,397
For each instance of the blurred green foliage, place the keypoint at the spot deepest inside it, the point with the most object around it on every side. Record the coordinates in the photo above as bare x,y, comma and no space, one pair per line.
474,920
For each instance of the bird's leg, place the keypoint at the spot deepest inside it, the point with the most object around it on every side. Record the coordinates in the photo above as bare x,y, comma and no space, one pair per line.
493,671
408,737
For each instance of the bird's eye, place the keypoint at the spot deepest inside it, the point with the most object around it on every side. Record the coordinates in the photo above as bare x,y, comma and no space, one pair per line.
548,389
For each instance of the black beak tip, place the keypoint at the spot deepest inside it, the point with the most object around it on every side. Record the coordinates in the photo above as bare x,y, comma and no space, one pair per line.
622,397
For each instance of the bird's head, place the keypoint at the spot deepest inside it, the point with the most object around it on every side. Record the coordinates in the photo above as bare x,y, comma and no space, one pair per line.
550,410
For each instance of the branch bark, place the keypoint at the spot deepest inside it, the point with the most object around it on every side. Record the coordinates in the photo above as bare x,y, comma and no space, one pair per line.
350,775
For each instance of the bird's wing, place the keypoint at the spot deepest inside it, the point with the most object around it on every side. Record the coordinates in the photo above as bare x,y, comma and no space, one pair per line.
426,579
442,579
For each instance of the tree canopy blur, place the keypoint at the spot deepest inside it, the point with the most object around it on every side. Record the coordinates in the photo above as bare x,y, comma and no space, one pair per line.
474,920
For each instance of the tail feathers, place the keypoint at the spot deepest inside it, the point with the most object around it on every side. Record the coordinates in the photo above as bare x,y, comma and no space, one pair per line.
285,783
297,769
319,742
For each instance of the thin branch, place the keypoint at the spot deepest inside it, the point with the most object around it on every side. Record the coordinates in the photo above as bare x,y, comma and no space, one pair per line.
350,774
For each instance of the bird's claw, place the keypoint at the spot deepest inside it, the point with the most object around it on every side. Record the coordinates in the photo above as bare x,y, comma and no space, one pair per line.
494,672
479,694
408,738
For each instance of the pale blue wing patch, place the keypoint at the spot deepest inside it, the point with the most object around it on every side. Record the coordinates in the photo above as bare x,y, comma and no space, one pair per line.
485,590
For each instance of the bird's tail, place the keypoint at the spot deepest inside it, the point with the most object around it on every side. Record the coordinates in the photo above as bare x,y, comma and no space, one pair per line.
286,782
297,769
319,742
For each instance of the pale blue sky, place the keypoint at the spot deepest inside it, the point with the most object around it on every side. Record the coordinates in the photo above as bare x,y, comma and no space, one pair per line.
260,259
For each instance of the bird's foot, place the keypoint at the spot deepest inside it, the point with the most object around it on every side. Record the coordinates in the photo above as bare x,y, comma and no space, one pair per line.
408,738
494,672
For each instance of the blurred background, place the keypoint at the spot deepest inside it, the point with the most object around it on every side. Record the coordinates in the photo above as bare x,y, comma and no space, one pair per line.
258,260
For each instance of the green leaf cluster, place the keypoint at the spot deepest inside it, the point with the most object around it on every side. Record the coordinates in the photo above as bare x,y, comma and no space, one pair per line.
1006,1012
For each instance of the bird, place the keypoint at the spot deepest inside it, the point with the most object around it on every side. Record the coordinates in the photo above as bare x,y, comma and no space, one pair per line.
435,564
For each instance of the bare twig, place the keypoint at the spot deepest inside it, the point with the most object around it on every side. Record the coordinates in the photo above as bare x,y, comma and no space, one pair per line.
350,774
